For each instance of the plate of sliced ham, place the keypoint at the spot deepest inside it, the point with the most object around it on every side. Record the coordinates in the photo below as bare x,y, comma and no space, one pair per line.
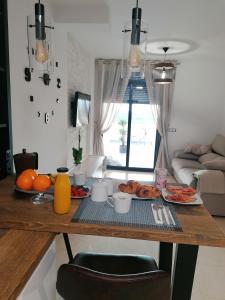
181,198
178,189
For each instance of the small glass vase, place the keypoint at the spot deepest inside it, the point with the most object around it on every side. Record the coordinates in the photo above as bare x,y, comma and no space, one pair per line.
77,168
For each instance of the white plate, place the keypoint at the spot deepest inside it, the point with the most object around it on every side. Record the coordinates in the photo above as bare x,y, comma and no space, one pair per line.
76,197
49,191
197,201
33,192
141,198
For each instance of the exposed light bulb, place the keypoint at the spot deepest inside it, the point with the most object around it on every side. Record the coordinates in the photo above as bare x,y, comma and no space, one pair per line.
163,76
134,58
41,53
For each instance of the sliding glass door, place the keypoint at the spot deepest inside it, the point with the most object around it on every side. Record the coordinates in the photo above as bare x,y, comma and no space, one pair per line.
131,143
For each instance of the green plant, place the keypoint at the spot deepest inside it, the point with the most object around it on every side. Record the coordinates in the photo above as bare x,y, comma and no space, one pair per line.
122,131
77,153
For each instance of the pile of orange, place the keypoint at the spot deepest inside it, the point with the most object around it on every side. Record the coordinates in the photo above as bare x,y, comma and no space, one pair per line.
29,179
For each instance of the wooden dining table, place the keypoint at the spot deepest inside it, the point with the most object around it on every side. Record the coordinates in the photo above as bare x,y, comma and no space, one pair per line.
198,229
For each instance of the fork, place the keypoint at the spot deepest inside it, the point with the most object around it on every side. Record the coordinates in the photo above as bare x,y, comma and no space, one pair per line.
161,209
158,214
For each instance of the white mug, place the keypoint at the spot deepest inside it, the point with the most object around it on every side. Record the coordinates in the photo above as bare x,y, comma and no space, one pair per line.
80,179
109,182
121,202
99,192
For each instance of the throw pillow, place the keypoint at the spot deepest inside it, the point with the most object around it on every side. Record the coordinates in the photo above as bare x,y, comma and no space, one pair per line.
218,144
209,156
197,149
215,164
182,154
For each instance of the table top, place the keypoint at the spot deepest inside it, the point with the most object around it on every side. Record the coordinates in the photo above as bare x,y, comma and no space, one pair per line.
18,212
18,259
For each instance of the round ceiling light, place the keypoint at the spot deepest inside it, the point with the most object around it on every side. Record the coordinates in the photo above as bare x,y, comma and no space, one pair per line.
176,47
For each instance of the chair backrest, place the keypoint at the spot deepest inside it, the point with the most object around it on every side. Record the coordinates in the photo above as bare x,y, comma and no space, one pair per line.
78,283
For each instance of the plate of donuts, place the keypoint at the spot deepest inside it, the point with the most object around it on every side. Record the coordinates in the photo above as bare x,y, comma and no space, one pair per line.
139,191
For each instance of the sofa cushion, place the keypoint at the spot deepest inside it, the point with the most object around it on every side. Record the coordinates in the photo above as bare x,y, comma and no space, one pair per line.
179,163
218,144
182,154
215,164
209,156
197,149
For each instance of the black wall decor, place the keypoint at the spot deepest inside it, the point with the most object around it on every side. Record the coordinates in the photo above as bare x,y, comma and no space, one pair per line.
27,73
46,78
58,83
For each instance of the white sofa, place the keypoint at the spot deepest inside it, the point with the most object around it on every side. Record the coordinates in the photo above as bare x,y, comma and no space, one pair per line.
206,172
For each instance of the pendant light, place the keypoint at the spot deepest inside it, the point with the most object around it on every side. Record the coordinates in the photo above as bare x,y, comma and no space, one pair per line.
41,51
134,58
135,36
39,45
163,69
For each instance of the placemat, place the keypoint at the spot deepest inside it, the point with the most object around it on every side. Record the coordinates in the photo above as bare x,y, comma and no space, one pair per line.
140,215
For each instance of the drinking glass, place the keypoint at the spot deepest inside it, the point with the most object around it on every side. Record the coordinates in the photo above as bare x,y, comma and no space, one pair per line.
41,198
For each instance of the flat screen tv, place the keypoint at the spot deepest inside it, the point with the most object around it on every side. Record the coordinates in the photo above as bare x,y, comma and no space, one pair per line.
80,109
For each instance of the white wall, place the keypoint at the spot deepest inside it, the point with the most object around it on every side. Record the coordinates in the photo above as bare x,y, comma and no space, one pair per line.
79,79
52,141
29,131
199,101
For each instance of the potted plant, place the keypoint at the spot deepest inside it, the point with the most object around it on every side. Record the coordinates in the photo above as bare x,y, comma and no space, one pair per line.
77,153
123,134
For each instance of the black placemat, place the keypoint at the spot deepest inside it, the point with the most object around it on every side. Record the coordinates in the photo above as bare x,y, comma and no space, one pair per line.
140,215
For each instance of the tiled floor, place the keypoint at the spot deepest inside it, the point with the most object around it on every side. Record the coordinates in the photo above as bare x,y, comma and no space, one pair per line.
209,283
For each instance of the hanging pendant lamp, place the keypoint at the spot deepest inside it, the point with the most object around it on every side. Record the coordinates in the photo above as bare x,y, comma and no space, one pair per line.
134,44
163,70
41,50
39,46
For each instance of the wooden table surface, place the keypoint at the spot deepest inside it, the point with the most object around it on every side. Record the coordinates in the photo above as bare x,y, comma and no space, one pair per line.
18,259
18,212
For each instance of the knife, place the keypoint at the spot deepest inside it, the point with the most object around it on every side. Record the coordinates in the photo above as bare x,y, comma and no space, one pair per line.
165,215
170,215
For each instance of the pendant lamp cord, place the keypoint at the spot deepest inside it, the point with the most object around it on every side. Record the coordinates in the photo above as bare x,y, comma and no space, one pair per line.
137,3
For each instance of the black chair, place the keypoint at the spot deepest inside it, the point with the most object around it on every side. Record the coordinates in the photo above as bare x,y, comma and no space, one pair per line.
112,277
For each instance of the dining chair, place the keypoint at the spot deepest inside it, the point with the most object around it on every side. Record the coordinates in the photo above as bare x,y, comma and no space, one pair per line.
93,276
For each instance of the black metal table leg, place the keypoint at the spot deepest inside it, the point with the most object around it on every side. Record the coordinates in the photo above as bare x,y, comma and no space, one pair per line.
68,247
165,256
184,271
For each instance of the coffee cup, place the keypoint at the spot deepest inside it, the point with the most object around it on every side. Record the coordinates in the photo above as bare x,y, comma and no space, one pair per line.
80,179
99,192
121,202
109,182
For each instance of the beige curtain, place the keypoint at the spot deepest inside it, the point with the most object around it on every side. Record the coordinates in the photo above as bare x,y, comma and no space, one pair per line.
160,96
109,92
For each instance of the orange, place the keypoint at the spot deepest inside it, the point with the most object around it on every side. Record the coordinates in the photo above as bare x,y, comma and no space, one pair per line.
41,183
31,173
24,182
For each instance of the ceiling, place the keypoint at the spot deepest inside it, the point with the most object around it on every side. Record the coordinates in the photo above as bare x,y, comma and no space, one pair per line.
97,24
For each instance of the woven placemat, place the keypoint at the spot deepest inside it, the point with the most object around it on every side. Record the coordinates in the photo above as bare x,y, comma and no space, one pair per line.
140,215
